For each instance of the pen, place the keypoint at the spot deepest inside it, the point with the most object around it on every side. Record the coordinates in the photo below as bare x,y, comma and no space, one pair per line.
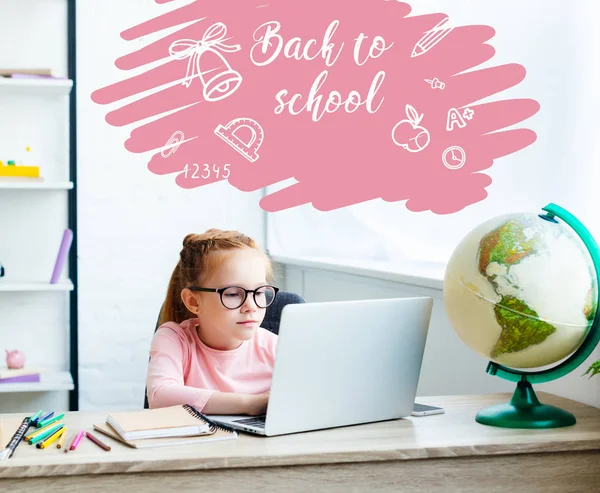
61,442
43,436
51,438
8,452
51,420
97,442
76,440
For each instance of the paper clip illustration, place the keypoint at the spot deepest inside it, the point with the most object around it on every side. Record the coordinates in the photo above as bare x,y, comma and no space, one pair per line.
174,142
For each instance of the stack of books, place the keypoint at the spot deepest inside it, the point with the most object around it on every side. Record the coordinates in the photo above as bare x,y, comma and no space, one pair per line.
175,425
21,375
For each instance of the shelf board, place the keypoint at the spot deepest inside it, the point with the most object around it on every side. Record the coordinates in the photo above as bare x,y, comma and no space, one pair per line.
35,86
49,381
35,185
35,286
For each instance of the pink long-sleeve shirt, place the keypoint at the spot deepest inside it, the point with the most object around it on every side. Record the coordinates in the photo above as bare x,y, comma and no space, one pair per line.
184,370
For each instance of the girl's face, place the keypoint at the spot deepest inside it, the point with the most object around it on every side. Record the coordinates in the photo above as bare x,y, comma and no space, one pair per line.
220,327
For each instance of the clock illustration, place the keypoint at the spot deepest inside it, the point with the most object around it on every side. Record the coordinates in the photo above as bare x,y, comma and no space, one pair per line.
454,157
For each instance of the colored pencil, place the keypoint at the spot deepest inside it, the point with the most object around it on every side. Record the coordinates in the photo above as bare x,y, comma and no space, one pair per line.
63,437
76,440
97,442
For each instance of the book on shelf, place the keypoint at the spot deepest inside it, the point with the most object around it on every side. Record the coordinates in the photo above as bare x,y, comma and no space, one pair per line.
38,72
34,377
6,373
61,258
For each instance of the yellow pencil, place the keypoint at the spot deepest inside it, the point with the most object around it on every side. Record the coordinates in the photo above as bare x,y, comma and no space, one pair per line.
51,438
61,442
41,430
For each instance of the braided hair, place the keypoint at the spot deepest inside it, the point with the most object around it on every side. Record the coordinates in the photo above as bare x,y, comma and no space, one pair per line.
197,263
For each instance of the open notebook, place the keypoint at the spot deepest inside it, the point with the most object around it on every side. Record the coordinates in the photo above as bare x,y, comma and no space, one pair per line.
173,421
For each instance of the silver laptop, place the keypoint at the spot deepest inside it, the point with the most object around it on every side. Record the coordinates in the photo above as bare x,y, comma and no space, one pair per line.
343,363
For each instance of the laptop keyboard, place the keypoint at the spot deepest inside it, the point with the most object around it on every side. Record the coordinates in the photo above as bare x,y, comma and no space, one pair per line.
257,421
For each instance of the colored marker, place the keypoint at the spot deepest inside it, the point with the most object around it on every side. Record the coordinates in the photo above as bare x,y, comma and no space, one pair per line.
51,420
43,430
38,421
51,438
45,435
35,416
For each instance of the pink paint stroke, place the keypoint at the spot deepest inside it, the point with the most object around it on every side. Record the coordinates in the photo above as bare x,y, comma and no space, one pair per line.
344,158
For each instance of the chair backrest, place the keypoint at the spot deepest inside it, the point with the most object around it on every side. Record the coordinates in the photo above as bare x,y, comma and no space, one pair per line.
270,322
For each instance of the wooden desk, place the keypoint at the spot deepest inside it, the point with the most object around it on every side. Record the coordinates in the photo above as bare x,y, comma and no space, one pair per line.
449,453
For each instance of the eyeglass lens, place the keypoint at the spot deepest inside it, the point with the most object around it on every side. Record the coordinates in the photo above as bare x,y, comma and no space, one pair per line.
234,297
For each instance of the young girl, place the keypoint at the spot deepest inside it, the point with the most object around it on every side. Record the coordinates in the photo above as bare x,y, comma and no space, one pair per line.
210,350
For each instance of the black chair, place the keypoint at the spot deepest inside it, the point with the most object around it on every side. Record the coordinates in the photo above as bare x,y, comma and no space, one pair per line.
270,322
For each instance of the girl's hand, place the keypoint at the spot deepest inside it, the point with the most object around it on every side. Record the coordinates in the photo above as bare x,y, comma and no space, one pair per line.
257,404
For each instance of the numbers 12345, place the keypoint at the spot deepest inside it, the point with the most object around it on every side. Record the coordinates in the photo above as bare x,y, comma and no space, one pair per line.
204,171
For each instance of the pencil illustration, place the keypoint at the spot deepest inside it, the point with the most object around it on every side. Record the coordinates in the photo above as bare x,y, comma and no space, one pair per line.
432,37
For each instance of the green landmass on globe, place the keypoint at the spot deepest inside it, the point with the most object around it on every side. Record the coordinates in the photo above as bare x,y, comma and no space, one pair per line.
518,331
508,245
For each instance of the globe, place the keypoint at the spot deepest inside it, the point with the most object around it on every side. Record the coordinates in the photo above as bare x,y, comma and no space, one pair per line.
521,289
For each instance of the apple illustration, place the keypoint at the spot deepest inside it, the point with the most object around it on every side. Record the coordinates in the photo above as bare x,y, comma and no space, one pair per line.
409,134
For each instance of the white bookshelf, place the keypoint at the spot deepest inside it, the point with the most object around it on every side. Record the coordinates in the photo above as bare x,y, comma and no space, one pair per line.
35,286
34,185
49,381
35,131
41,86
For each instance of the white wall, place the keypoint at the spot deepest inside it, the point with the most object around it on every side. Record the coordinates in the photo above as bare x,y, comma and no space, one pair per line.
449,366
131,222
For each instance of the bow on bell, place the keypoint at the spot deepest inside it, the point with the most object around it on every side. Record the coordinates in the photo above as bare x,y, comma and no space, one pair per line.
213,39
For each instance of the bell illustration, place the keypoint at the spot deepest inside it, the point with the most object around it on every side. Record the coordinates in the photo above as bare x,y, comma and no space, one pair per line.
206,61
218,78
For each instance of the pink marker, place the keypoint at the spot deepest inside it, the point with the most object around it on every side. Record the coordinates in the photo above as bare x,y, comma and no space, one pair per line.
76,440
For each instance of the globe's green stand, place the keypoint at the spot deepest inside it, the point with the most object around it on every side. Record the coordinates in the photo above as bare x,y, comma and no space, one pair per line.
524,409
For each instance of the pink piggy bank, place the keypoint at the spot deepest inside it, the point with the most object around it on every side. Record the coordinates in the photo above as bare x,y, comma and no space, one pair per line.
15,359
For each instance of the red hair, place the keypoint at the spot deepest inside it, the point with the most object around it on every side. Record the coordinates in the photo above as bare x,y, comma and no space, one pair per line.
197,263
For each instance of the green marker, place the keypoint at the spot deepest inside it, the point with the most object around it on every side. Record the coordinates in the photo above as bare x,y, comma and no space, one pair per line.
36,416
47,433
41,424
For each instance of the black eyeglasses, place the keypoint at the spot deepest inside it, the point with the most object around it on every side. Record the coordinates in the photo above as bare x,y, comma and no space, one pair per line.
233,297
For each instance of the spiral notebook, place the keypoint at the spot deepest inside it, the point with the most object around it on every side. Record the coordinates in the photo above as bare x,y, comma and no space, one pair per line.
165,422
215,431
